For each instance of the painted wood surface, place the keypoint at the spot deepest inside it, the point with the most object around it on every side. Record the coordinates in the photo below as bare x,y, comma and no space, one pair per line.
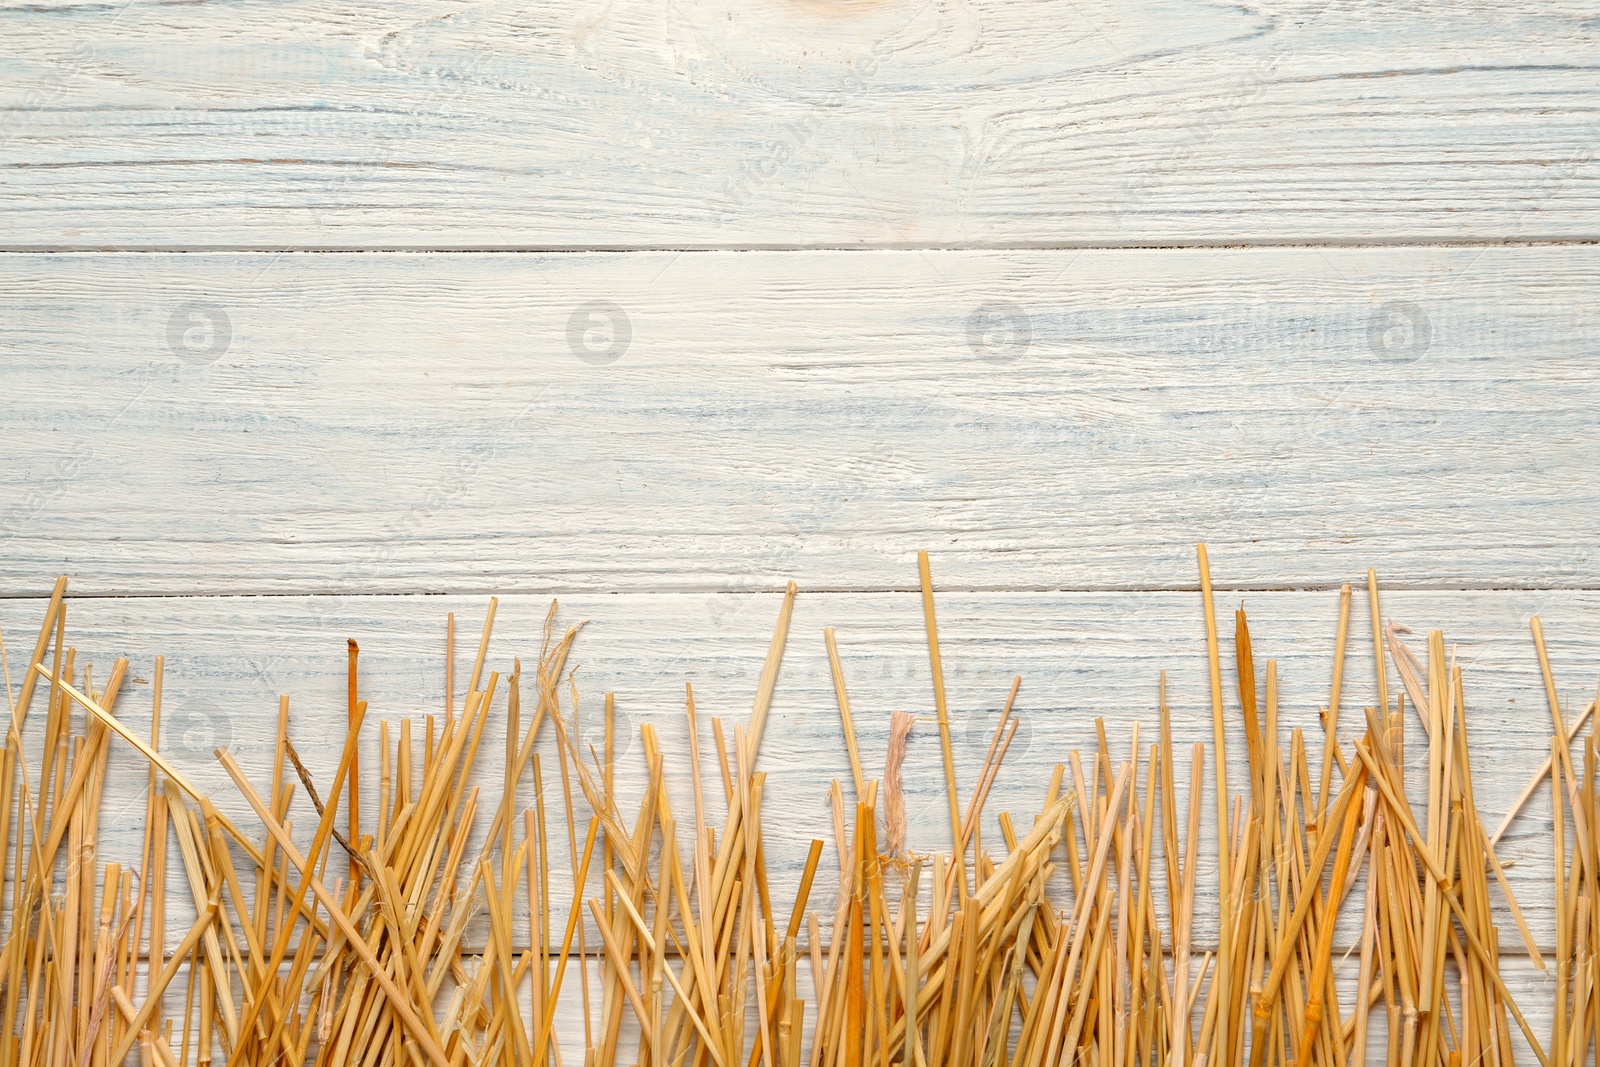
712,123
394,423
993,363
1532,989
1080,656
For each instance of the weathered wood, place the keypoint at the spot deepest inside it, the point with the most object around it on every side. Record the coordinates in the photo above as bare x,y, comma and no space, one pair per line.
401,423
691,430
715,124
1080,656
1531,989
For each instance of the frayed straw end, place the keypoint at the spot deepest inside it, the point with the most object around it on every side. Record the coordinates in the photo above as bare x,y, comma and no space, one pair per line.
894,799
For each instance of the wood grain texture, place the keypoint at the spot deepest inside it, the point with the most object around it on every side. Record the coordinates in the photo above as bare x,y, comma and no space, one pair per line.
1080,656
424,423
795,123
185,429
1533,992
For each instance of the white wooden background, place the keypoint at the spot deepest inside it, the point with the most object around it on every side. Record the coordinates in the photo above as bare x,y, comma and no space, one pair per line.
299,341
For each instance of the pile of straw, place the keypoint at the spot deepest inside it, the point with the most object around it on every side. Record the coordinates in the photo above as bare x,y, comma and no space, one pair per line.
352,951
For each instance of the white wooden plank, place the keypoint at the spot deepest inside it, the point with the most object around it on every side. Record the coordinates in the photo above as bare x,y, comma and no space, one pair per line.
1532,990
713,123
404,423
1080,656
